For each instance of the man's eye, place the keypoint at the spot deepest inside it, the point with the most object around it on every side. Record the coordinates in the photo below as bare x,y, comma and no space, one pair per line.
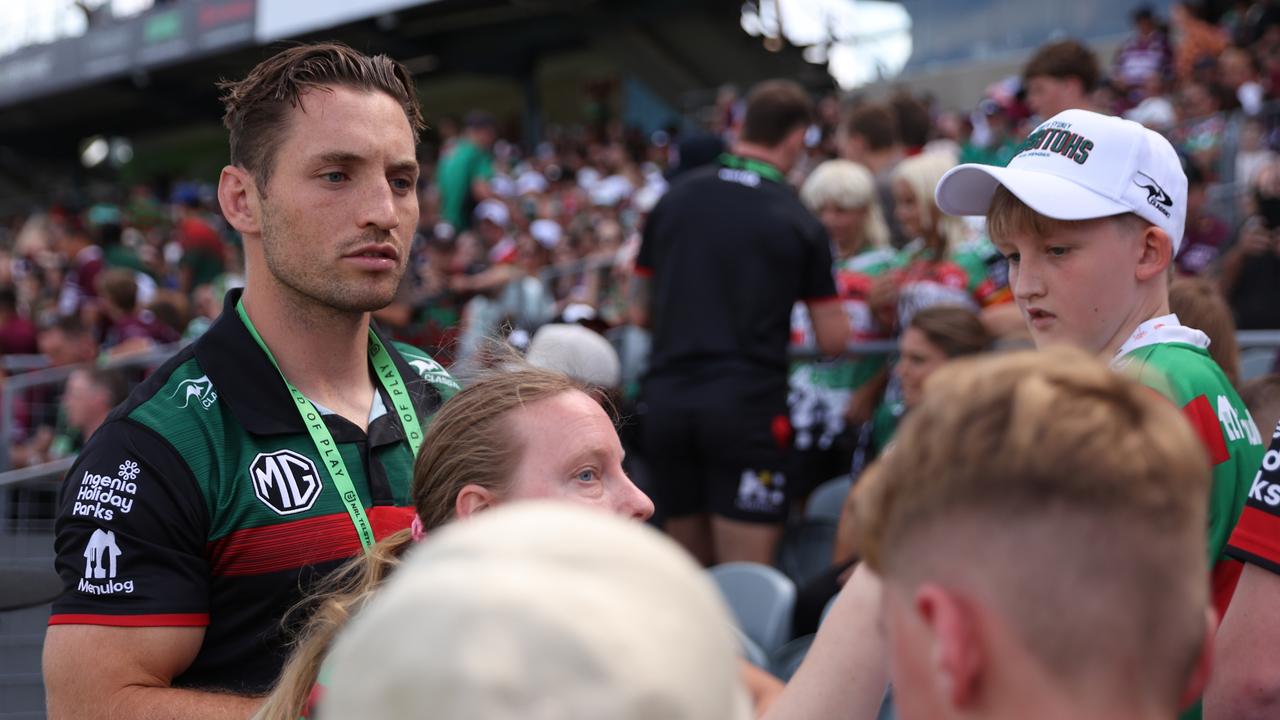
1013,258
586,476
1059,251
335,176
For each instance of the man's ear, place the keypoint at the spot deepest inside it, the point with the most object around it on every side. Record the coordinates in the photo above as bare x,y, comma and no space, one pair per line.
957,657
240,201
473,499
1200,672
1156,253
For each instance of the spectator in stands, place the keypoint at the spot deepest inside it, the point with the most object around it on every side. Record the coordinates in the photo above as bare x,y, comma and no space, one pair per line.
1198,303
935,336
17,333
78,294
1201,127
66,342
964,521
90,395
1144,55
829,399
870,138
1250,275
1193,39
733,241
913,120
204,256
999,141
521,433
1238,74
1102,283
937,267
465,170
541,611
1060,75
1206,233
129,328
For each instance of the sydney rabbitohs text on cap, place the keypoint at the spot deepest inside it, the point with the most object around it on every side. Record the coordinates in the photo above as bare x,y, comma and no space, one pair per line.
1080,165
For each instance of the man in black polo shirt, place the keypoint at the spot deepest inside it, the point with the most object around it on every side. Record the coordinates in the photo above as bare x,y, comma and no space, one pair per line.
279,444
726,254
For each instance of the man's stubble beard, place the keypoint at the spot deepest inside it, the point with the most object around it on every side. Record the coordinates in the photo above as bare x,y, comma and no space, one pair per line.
308,281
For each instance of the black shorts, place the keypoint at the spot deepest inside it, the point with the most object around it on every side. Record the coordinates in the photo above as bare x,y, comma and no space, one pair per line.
727,461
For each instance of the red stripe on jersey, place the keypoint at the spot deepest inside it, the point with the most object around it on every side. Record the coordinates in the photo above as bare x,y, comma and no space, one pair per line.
161,620
1257,533
1225,577
291,545
1205,422
642,271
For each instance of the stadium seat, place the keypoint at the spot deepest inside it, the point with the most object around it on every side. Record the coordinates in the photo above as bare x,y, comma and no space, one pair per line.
762,600
805,549
786,660
828,499
751,652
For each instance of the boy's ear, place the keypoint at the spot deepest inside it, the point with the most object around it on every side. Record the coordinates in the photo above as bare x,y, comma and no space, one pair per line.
1156,253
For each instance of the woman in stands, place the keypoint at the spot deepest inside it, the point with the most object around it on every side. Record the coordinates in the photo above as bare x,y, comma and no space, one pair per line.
934,336
517,434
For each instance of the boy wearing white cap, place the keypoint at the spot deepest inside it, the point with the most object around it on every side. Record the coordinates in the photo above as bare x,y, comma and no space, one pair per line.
1090,214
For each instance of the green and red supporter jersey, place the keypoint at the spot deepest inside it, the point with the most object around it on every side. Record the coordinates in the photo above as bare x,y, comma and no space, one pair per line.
202,502
819,390
1174,360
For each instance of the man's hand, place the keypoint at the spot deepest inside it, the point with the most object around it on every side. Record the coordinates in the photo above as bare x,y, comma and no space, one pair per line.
96,672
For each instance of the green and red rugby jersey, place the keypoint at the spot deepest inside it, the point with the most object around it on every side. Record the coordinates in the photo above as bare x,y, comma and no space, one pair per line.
1174,360
200,503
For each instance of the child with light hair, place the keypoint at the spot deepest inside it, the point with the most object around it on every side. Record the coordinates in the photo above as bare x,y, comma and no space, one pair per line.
828,399
1038,528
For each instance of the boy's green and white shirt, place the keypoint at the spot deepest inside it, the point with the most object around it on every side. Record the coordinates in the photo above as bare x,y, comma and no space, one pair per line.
1174,359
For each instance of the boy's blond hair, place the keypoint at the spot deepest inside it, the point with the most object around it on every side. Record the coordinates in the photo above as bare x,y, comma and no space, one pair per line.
1008,216
1070,500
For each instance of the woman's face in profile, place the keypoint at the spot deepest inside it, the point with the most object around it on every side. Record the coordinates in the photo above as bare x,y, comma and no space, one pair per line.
570,450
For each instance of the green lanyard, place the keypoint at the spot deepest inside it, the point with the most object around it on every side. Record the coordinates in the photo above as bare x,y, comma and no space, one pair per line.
759,167
385,369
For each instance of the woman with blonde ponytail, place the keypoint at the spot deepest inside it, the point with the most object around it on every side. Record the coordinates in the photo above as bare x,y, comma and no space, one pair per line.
517,434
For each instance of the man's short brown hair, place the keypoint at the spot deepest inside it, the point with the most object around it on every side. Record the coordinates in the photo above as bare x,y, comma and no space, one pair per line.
775,108
875,124
1065,59
1070,499
257,107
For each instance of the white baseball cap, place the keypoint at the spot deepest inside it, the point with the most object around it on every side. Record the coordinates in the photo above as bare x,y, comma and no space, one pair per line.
540,610
494,211
546,232
1080,165
576,351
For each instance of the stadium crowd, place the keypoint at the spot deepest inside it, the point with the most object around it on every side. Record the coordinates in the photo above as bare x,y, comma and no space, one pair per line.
544,251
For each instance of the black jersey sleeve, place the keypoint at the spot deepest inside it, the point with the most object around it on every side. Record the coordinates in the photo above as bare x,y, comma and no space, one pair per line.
819,281
130,534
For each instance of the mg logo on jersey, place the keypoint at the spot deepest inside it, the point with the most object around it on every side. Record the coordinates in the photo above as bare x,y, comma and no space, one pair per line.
201,389
285,481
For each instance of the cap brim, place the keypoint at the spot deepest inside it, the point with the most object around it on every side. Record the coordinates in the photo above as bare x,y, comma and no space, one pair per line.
967,190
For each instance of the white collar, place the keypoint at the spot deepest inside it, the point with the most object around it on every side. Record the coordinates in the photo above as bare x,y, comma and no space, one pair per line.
1162,329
